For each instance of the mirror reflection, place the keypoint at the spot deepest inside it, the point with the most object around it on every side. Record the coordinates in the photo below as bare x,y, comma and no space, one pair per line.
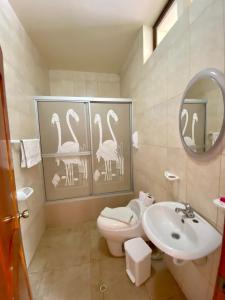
202,114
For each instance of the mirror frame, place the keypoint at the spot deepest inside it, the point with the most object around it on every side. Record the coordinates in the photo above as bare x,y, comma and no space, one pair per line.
219,77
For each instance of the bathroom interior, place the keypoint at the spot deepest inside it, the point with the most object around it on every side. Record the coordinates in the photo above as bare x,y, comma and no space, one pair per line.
136,80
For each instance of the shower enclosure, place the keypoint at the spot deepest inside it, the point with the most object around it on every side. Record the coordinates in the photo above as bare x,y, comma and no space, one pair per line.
86,146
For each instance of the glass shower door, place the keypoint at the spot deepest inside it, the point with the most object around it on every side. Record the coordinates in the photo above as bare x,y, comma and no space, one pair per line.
111,145
64,133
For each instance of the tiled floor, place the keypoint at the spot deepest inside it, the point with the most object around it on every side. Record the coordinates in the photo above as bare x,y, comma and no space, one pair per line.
72,264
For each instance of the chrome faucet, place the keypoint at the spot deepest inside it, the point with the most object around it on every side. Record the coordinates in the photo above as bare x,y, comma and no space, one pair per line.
188,211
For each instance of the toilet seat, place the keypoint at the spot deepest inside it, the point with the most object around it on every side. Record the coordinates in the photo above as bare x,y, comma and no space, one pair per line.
114,224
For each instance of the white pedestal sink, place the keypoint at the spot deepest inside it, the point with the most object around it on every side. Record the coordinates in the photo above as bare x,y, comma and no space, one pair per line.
189,240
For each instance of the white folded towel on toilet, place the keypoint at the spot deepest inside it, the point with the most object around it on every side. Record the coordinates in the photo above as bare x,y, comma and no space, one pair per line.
30,153
122,214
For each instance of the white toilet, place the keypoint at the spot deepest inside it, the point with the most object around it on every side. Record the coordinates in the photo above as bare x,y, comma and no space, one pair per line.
116,232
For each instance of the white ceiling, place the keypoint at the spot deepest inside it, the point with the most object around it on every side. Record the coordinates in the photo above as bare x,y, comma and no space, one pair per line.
86,35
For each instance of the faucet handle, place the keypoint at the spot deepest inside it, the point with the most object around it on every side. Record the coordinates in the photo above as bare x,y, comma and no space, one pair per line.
187,205
189,210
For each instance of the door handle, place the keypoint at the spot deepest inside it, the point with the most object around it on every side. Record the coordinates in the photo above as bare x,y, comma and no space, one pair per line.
24,214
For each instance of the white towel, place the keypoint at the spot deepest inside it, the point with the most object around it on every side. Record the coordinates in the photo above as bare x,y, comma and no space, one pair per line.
30,153
122,214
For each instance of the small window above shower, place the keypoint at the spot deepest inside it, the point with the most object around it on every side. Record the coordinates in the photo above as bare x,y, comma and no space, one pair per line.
166,20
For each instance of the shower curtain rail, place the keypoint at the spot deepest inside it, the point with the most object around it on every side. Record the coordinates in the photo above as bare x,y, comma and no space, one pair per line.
81,99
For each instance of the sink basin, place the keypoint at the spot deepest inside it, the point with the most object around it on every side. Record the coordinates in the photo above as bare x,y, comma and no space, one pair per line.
193,239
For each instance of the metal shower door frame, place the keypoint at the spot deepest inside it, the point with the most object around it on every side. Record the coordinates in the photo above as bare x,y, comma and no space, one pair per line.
88,101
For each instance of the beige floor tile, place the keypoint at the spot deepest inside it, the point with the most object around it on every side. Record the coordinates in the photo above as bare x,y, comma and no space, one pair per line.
118,284
61,248
68,284
96,281
112,270
162,286
125,290
99,248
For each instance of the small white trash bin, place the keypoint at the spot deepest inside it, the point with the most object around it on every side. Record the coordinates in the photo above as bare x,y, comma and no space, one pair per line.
138,260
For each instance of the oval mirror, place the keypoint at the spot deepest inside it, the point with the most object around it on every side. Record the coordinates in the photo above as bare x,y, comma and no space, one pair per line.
202,113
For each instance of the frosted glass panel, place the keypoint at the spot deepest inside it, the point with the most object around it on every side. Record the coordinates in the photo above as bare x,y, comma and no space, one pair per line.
65,149
63,126
111,137
63,184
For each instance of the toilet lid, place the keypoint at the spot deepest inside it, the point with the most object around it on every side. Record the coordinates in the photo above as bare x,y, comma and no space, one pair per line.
114,224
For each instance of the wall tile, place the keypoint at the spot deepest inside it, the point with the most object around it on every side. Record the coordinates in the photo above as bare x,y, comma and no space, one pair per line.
81,84
220,220
155,129
91,87
206,43
67,213
222,177
203,186
178,63
173,139
79,88
176,163
197,8
221,212
158,79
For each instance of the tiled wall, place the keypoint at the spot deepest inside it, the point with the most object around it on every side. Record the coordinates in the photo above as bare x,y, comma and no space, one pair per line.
25,76
81,84
195,42
67,213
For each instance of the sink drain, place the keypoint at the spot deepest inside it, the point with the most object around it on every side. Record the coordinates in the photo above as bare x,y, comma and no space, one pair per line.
103,288
175,236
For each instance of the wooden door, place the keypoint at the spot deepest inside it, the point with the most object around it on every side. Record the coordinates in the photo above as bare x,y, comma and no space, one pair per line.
14,284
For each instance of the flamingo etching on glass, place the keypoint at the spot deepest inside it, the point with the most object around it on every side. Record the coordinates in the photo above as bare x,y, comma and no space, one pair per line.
120,162
109,150
68,147
190,141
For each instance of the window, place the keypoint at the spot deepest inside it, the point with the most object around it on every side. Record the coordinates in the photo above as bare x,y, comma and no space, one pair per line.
165,22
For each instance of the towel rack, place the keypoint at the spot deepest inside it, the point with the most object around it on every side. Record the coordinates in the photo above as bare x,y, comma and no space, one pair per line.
19,141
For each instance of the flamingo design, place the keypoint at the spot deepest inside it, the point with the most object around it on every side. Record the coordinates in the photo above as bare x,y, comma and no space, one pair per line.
69,147
190,141
108,150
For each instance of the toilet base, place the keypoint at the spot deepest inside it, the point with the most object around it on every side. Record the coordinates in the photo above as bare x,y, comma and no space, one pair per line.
115,248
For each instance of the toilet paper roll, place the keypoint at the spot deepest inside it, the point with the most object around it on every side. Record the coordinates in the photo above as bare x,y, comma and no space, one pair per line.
149,200
142,196
146,198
